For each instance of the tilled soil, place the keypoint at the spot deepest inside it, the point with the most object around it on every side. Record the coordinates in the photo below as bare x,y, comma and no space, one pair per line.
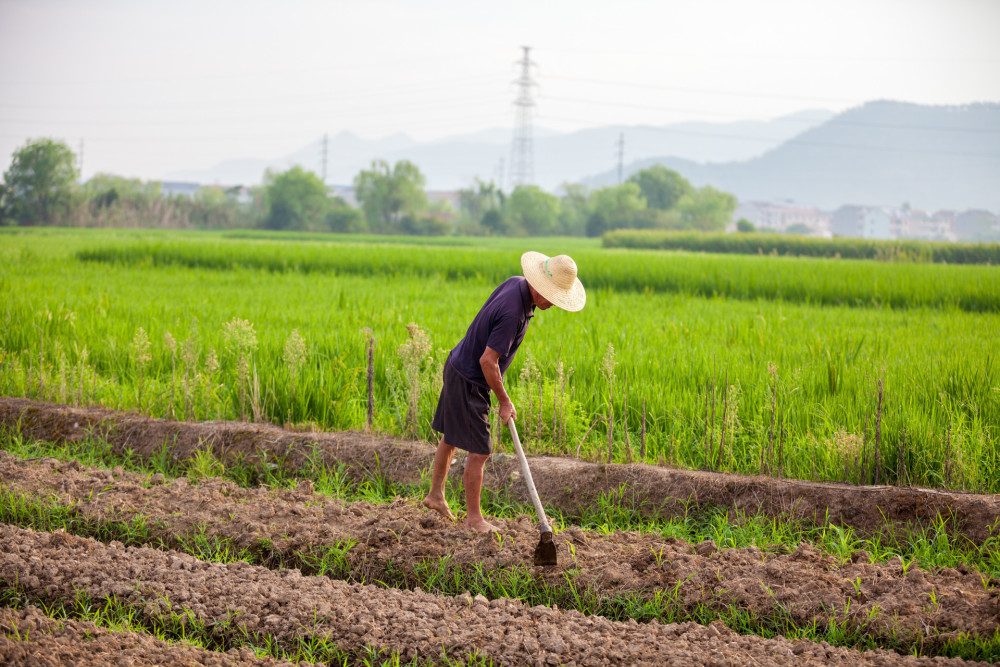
285,605
883,600
30,638
565,484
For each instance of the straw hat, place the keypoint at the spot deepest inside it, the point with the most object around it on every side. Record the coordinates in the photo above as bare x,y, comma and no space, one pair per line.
555,279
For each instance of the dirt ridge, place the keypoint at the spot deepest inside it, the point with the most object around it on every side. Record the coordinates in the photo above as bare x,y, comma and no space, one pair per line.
565,484
284,605
29,637
886,600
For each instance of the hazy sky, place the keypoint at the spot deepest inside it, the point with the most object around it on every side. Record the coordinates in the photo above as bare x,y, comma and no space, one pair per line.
157,86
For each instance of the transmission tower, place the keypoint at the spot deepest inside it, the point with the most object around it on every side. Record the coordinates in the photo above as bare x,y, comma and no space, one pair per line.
522,168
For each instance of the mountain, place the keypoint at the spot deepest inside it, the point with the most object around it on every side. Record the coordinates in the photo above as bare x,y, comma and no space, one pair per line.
880,153
453,162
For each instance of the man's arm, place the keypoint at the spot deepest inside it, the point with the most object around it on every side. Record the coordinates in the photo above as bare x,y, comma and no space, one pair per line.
490,363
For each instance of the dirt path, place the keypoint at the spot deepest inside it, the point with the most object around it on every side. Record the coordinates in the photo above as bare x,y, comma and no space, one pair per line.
285,605
565,484
28,637
882,600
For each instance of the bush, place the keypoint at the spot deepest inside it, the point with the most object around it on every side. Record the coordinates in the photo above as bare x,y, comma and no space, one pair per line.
781,244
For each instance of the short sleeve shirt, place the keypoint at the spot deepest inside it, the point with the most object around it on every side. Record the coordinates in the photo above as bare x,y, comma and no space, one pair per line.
500,325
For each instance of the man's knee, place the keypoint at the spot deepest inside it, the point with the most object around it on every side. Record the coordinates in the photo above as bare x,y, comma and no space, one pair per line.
478,460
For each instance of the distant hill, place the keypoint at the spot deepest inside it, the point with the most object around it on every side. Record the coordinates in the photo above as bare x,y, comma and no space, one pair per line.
881,153
454,162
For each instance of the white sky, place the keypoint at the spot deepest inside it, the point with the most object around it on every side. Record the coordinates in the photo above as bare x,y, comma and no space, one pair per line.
155,86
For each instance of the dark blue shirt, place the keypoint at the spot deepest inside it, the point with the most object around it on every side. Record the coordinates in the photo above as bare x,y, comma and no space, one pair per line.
500,325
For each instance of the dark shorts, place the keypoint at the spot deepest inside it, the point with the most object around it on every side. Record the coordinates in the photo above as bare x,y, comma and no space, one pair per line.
463,413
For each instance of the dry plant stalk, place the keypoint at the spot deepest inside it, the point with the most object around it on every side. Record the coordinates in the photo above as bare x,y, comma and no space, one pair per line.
608,369
772,369
878,424
171,344
189,355
628,445
642,433
371,378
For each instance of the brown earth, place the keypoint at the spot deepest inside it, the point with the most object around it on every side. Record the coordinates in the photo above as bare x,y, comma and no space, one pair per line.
564,484
30,638
241,598
883,600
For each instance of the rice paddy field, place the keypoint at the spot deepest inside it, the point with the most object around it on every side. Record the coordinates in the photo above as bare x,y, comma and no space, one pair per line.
213,447
817,369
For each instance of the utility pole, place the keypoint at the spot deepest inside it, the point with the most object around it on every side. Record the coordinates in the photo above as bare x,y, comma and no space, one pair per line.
621,155
325,140
522,168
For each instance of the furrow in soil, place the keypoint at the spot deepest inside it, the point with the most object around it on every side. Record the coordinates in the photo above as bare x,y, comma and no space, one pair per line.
287,606
885,601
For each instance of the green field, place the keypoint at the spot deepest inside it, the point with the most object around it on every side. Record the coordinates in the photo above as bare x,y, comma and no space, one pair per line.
794,347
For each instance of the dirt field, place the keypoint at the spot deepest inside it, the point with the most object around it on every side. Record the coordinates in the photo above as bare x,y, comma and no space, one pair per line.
566,484
287,526
281,601
241,598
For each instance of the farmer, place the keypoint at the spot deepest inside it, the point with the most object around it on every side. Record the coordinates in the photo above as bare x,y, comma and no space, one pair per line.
477,365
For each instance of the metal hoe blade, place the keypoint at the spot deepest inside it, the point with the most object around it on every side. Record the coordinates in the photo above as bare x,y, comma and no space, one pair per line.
545,552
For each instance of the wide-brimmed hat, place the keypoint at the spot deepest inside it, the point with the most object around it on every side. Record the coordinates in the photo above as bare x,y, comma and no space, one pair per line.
555,279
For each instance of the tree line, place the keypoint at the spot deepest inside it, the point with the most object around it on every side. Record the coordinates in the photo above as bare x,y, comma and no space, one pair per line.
41,188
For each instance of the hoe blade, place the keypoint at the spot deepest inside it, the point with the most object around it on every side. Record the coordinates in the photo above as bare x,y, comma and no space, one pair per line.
545,552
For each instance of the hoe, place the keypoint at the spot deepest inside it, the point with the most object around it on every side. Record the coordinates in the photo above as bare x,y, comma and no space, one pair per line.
545,552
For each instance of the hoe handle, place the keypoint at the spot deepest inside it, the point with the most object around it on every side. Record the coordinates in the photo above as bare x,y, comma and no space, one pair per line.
543,522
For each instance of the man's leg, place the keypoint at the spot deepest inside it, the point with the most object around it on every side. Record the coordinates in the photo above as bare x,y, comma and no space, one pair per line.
435,500
473,480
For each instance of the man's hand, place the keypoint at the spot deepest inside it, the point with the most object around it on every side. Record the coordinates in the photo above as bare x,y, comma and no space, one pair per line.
507,412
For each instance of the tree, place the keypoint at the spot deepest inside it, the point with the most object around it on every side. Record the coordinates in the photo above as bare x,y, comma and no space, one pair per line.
41,183
387,195
531,209
661,187
104,190
614,207
296,200
745,226
706,209
574,209
343,218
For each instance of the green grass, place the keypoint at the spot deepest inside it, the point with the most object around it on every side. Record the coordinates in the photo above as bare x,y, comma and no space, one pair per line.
940,420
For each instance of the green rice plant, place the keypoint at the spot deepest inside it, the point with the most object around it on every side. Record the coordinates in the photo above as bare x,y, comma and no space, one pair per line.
140,359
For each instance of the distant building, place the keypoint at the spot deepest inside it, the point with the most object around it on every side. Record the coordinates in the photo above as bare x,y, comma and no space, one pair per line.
867,222
780,217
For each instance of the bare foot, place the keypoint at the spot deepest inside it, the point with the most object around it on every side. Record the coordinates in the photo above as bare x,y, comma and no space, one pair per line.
439,505
480,525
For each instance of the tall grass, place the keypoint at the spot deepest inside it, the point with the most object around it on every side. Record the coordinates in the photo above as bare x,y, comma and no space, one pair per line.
797,280
940,417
